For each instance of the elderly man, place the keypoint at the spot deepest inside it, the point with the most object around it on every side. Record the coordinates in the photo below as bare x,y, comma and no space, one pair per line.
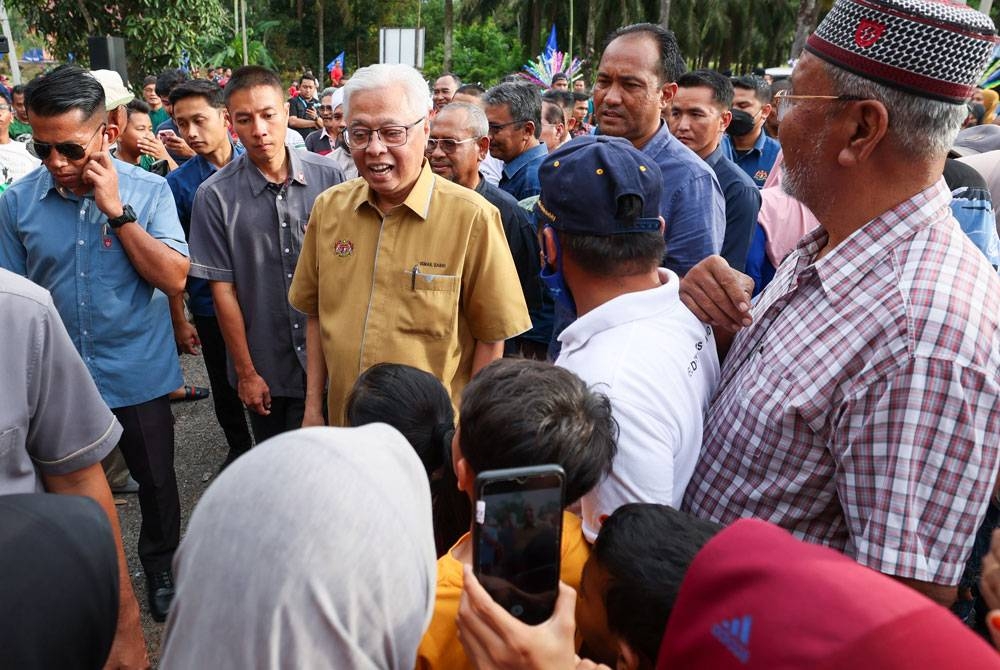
635,84
459,143
861,407
514,111
401,265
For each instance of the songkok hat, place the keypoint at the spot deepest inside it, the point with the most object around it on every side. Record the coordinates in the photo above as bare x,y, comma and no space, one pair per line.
931,48
583,180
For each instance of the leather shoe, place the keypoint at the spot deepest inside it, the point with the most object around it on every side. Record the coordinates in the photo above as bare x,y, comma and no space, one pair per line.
160,589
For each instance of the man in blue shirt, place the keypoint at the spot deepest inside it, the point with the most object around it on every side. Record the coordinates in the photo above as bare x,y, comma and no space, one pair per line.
200,113
746,143
103,237
698,118
635,84
515,114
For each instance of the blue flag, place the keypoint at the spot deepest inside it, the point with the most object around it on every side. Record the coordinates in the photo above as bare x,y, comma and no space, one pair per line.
550,45
339,59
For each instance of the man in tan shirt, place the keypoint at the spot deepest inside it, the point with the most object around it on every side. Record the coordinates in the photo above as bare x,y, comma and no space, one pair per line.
403,265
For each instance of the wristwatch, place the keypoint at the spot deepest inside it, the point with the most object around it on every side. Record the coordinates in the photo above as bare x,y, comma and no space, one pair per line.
127,216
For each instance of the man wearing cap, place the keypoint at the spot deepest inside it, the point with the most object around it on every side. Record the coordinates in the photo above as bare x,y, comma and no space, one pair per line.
636,80
602,240
859,405
401,265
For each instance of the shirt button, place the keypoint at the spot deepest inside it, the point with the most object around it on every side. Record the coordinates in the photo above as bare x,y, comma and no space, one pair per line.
80,242
289,276
83,274
298,348
284,224
82,304
84,332
286,251
279,197
295,325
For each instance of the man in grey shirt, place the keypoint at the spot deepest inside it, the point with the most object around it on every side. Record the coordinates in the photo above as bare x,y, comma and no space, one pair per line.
55,428
247,225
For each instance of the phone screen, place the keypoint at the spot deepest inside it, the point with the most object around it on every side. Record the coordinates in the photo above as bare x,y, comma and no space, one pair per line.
518,541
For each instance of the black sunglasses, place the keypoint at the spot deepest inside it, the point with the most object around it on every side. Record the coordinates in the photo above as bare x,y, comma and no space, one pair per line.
70,150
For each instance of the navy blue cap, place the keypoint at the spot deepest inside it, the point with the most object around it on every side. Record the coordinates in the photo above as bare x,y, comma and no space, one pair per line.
583,180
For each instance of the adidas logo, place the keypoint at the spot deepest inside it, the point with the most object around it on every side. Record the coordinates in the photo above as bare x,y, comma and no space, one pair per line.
734,634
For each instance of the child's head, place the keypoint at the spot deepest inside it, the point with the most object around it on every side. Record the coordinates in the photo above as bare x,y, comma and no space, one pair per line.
517,413
412,401
138,126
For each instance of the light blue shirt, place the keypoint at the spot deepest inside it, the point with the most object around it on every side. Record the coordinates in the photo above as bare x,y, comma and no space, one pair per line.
118,322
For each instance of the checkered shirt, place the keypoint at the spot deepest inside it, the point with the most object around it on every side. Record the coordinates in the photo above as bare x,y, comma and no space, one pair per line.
861,410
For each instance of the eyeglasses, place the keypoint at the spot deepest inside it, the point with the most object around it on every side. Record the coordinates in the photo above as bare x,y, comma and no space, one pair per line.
784,101
389,136
4,108
497,127
70,150
448,145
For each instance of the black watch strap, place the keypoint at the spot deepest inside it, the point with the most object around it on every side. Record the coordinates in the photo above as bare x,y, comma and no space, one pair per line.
128,216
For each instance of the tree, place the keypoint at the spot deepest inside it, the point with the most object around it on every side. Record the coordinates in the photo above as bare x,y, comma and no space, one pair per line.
483,53
805,23
155,32
449,28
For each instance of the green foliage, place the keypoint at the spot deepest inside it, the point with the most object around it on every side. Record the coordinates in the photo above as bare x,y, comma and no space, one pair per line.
155,32
481,53
231,53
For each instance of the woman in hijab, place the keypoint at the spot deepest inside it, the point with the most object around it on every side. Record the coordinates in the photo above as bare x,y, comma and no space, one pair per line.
314,550
58,582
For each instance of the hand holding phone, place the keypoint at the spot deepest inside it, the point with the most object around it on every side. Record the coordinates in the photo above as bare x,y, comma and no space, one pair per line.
165,135
517,538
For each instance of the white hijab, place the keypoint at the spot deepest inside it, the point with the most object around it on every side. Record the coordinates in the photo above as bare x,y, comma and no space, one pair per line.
313,550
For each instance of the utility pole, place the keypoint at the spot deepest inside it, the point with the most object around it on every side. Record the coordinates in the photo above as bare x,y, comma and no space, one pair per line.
243,23
15,68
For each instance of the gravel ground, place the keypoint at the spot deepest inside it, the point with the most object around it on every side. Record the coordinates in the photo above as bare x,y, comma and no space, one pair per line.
200,449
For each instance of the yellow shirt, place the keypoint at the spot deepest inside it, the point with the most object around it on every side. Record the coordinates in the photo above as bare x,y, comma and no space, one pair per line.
440,647
419,285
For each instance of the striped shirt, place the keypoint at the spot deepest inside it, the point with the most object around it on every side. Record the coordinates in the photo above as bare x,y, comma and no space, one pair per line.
861,410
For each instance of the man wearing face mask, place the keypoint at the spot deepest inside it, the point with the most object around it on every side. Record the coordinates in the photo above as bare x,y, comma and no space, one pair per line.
602,240
746,143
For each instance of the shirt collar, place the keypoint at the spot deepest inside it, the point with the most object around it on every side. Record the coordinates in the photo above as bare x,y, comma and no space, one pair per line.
510,169
715,156
660,139
846,265
419,199
257,180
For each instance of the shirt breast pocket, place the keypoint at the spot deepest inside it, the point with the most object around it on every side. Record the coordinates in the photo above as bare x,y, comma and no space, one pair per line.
428,304
114,269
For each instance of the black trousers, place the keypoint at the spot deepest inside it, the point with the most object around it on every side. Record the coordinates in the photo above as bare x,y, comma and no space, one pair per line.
286,414
147,444
228,408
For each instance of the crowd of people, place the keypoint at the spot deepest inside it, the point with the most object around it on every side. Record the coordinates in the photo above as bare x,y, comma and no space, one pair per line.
755,322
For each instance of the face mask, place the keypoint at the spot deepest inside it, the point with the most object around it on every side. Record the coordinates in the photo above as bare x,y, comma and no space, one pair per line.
742,123
554,281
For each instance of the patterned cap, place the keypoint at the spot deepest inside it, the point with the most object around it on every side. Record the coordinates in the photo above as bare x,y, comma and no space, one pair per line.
932,48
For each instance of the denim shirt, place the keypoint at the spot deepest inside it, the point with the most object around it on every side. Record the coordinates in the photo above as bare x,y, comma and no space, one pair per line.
117,320
520,176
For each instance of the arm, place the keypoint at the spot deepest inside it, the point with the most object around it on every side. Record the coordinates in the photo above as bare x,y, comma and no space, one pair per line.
129,647
185,333
719,296
943,595
296,122
251,387
696,222
484,354
315,375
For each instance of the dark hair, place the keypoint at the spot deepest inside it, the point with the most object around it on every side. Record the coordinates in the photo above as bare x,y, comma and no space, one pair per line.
416,404
552,112
623,255
136,105
67,88
761,89
579,96
520,412
6,95
310,76
522,99
18,90
559,76
202,88
454,78
671,61
151,79
646,550
471,89
168,80
721,87
250,76
564,99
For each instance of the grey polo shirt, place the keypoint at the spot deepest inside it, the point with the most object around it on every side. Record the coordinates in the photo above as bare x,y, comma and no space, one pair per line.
248,232
52,418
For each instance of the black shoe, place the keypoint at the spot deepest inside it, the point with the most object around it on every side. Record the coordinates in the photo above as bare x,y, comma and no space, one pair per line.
160,589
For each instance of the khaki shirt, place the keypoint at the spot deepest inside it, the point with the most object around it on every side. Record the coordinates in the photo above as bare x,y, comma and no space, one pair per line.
419,285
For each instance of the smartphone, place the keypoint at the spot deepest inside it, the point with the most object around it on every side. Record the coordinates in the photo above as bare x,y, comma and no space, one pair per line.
517,538
166,134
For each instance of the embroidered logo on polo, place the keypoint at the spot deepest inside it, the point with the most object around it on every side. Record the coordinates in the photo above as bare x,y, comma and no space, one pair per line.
343,248
734,634
867,33
761,175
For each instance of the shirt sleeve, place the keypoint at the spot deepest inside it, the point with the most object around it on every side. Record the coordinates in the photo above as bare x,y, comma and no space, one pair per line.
210,254
491,292
695,222
163,223
741,222
13,255
304,293
917,454
72,427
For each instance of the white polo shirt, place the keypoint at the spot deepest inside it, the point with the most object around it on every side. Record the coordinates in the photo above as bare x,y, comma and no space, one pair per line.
658,365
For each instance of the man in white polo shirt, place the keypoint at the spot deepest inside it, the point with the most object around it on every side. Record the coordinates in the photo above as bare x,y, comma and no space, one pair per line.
602,238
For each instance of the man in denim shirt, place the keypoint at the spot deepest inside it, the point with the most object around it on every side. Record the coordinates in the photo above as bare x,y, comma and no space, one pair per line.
103,237
515,115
